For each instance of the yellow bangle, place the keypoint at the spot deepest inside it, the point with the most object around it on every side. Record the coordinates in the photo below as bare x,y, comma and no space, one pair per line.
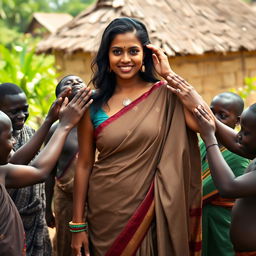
77,223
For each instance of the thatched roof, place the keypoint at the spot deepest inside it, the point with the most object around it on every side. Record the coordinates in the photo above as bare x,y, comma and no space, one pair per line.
51,21
180,27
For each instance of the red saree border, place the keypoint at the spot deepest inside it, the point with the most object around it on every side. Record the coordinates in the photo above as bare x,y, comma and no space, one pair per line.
127,108
133,224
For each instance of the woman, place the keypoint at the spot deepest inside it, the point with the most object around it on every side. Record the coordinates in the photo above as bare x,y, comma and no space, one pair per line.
143,191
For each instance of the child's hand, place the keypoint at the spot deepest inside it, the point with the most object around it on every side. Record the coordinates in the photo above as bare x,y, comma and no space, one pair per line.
71,113
53,113
186,92
160,60
206,123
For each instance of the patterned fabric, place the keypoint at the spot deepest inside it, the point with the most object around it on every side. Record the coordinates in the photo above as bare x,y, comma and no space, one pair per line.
217,210
30,202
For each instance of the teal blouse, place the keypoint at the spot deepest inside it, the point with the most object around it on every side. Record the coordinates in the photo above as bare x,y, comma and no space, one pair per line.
98,117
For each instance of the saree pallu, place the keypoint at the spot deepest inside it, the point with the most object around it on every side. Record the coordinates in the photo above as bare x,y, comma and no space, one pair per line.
12,234
147,177
216,209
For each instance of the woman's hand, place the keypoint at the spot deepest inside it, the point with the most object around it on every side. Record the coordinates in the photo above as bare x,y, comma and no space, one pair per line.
160,60
80,242
206,124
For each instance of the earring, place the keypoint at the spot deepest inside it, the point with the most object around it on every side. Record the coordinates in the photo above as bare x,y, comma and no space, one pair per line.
109,69
142,69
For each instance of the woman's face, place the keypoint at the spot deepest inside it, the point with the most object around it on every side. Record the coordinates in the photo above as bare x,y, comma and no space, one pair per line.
126,55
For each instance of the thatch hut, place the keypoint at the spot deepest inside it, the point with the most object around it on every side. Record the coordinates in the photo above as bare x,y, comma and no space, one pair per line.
211,43
44,24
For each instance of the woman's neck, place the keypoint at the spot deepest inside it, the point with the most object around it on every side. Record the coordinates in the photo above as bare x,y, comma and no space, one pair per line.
123,85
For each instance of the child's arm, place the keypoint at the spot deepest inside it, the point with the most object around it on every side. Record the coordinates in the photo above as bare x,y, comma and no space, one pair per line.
226,182
20,175
28,151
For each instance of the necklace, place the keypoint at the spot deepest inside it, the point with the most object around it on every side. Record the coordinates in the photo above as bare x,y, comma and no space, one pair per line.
126,102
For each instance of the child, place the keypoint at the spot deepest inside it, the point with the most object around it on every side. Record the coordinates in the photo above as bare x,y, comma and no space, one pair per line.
30,201
243,223
62,177
227,108
11,230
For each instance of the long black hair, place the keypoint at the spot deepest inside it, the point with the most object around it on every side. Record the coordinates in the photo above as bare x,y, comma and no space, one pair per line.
104,80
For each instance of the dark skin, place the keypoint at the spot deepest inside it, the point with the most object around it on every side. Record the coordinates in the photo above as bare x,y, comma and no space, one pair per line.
70,147
243,224
16,108
16,176
243,187
225,111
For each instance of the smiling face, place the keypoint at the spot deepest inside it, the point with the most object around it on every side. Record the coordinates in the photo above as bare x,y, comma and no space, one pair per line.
75,82
224,111
126,56
6,139
16,108
247,135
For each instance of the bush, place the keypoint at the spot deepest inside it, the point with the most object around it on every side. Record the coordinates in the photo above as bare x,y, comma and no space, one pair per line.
35,74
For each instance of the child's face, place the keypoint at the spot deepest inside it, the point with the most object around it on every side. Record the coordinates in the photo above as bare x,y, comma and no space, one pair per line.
16,107
75,82
6,142
247,135
224,112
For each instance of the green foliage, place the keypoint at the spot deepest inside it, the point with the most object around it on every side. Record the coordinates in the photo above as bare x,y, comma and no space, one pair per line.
35,74
16,14
248,88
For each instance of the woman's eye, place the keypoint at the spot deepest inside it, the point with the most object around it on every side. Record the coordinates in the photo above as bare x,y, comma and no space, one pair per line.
116,52
134,51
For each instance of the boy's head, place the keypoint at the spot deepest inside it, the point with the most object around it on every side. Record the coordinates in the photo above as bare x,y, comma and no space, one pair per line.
227,107
75,82
6,139
13,102
247,135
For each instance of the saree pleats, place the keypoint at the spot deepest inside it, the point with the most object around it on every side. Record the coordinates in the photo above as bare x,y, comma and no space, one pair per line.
146,142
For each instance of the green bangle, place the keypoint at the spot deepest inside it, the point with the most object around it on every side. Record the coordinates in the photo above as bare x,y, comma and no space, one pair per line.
77,231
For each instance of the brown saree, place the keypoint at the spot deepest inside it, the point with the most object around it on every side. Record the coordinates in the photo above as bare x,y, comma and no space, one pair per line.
144,194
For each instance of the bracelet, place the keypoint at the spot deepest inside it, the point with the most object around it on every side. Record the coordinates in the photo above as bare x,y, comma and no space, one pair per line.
78,227
211,145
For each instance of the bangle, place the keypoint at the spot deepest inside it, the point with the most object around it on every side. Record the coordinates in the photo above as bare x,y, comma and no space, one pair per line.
211,145
78,227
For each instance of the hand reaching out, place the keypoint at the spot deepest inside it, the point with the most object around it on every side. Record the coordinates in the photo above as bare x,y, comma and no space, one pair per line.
53,113
206,123
160,60
71,113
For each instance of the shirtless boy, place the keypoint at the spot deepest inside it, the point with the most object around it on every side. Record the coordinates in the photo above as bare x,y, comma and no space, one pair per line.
11,175
62,177
227,108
